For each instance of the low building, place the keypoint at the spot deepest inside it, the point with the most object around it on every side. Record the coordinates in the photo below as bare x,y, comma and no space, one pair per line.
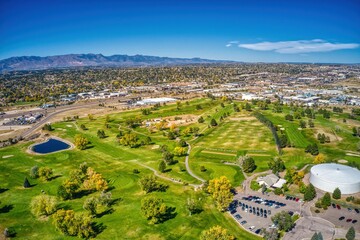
271,180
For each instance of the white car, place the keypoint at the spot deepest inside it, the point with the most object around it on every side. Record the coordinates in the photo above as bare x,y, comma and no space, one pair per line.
252,227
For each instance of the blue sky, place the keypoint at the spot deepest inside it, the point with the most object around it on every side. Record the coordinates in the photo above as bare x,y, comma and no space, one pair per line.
251,31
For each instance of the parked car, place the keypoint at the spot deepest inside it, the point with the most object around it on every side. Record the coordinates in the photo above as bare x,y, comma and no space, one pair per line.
243,222
252,227
258,231
333,205
338,206
356,210
238,217
348,220
341,218
354,221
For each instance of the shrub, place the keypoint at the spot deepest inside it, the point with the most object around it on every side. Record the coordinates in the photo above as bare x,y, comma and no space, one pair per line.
34,172
43,205
45,173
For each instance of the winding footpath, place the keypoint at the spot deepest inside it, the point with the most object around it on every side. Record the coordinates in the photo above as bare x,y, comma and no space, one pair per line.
188,169
163,177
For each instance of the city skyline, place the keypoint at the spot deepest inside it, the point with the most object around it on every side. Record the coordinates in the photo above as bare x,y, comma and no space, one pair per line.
233,30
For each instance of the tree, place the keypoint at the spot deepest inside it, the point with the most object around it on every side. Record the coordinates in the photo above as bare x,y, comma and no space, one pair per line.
162,166
302,124
194,205
220,189
45,173
283,220
73,224
94,181
180,151
129,139
311,123
336,194
154,209
213,122
248,107
91,116
168,157
317,236
43,205
182,143
247,164
326,200
216,233
90,205
350,235
310,193
80,142
276,165
320,158
278,191
26,183
34,172
149,184
289,117
83,127
101,134
312,148
201,119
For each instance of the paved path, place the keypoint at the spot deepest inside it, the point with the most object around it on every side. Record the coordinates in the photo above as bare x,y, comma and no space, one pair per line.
164,177
188,169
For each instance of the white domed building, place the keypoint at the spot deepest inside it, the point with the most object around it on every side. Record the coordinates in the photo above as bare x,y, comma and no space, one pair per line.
329,176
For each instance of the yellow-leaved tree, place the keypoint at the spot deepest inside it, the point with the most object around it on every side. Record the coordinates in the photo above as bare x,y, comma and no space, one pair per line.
220,189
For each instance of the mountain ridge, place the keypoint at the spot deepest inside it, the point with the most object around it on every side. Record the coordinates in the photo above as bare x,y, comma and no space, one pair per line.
95,60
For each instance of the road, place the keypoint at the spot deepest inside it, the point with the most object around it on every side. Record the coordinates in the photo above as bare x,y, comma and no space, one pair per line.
188,169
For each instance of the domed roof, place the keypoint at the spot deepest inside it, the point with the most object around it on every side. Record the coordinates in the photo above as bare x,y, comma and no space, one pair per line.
336,173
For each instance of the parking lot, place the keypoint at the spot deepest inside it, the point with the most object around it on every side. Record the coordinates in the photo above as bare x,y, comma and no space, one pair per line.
254,212
343,217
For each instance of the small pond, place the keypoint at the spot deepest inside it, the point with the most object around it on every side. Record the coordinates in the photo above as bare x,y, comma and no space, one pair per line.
51,145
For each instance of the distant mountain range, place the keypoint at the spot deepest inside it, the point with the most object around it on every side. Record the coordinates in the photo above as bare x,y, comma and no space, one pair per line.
94,60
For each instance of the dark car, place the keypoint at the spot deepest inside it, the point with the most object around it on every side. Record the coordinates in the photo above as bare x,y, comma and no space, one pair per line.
258,231
243,222
269,212
237,216
341,218
349,209
354,221
233,212
338,206
356,210
348,220
265,216
333,205
291,213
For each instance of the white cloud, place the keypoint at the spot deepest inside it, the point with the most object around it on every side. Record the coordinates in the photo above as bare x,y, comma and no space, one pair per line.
300,46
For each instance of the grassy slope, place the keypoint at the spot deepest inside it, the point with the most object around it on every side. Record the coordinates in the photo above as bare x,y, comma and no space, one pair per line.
114,163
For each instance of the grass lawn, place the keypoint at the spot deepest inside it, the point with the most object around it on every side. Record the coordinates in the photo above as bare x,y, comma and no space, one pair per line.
116,164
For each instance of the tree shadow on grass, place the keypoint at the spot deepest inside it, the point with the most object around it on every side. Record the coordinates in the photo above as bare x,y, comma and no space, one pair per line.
54,177
170,214
98,228
107,211
167,170
3,190
116,201
6,208
82,193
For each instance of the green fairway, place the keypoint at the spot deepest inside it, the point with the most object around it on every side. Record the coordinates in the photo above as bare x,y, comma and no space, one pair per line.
116,164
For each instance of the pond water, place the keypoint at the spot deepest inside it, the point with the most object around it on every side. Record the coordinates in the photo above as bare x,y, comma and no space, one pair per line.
52,145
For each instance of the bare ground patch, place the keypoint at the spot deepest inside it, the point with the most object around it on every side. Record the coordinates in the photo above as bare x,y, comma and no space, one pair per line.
332,136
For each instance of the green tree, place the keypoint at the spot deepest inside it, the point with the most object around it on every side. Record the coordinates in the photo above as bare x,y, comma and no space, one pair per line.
129,139
326,200
272,234
149,184
26,183
162,166
201,119
336,194
247,164
310,193
194,205
80,142
34,172
283,220
276,165
154,209
216,233
90,205
72,224
220,189
248,107
350,235
45,173
213,122
43,205
101,134
317,236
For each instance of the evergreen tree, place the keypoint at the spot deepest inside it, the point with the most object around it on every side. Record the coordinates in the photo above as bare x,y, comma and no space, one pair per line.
310,193
336,194
162,166
213,122
26,183
326,200
350,235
